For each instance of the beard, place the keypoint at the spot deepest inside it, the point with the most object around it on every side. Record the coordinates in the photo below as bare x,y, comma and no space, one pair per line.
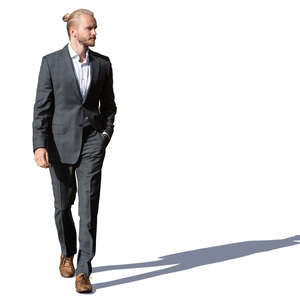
86,42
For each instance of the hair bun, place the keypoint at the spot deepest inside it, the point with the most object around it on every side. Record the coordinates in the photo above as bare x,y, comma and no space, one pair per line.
66,17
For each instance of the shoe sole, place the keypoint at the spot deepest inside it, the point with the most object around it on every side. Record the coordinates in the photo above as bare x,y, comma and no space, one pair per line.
70,276
81,292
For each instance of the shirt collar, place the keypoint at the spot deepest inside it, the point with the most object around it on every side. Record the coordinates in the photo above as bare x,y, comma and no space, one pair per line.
73,53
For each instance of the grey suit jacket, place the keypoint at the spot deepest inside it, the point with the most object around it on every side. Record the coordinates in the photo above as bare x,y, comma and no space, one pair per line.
59,109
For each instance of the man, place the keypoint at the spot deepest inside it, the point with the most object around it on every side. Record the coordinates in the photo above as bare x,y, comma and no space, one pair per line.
73,122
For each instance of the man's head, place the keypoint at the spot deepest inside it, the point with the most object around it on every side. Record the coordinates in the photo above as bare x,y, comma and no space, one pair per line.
81,26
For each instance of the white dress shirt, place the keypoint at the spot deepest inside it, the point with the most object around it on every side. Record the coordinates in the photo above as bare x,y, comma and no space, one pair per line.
83,75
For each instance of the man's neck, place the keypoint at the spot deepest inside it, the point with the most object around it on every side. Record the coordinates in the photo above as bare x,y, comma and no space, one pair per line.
79,49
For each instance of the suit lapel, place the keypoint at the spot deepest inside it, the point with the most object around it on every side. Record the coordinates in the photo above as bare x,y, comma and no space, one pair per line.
70,71
94,64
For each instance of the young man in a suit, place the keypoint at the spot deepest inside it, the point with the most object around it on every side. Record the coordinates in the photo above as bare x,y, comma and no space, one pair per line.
73,123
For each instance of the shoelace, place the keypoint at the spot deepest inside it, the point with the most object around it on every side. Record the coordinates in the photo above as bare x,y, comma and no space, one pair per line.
67,262
85,277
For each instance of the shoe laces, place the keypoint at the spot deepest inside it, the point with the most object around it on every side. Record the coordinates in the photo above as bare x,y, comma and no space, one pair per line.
84,277
67,261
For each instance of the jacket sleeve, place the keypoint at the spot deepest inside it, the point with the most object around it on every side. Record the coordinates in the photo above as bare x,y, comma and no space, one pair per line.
43,107
108,107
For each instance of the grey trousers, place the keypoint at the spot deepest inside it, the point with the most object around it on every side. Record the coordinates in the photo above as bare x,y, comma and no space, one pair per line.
88,172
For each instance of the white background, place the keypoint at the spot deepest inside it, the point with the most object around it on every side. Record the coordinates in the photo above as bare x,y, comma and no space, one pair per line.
205,151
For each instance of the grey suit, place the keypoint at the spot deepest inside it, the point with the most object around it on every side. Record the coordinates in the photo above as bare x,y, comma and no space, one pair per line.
59,111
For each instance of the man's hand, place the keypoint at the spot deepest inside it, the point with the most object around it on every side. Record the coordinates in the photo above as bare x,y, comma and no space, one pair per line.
41,157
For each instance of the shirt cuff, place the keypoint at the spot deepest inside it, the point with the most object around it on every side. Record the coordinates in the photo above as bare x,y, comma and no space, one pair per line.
104,132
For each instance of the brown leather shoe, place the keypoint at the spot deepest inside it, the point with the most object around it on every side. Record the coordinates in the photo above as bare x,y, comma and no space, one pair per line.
82,283
66,266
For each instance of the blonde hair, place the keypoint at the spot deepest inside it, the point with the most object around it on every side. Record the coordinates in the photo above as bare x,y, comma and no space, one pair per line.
73,17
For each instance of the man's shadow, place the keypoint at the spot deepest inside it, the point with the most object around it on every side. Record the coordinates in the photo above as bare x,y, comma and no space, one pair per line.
195,258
